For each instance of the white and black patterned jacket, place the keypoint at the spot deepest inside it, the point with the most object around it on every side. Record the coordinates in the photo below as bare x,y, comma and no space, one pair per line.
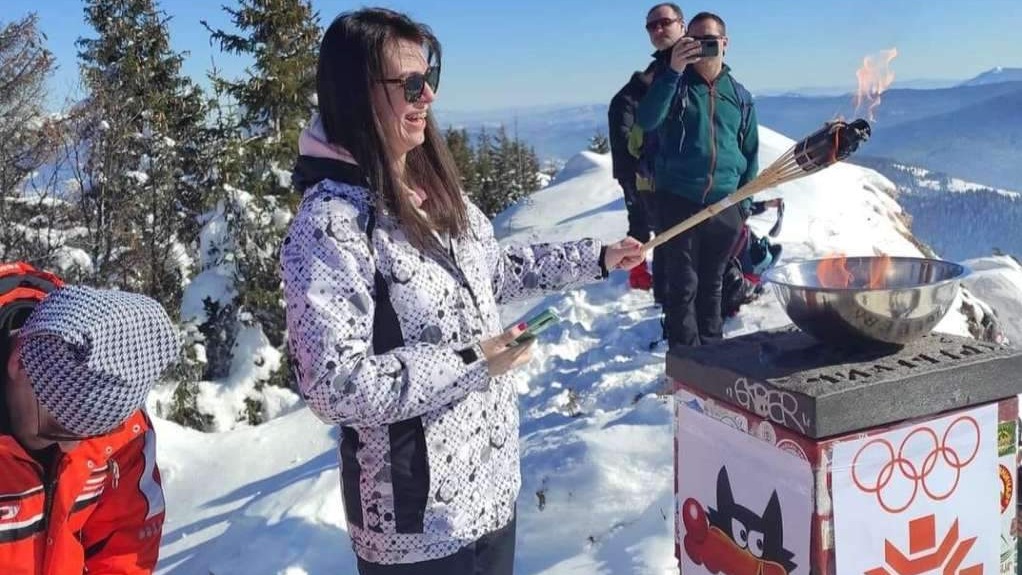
429,444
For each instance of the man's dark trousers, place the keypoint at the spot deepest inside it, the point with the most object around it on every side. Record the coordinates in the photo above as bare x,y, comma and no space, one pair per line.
641,209
639,224
694,264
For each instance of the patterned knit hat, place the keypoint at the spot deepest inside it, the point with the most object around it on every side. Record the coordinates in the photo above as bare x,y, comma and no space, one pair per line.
93,355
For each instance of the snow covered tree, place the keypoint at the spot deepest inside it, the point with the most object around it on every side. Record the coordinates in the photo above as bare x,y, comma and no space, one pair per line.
483,183
505,170
525,166
25,64
274,102
238,360
234,357
275,97
137,195
267,108
28,140
460,145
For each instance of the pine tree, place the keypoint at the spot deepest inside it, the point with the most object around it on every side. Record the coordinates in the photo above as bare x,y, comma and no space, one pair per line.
527,169
484,178
503,170
273,103
460,145
141,115
506,190
217,154
27,141
275,98
214,321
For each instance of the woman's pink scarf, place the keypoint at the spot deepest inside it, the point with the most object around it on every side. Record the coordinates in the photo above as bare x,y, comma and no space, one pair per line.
313,142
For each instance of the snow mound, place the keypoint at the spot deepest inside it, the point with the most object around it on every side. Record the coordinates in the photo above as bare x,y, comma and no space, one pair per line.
580,164
997,280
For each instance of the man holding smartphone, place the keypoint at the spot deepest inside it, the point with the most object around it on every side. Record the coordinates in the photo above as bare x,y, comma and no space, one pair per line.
665,24
707,143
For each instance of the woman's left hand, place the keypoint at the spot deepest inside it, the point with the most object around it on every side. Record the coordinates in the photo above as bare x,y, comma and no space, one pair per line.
623,255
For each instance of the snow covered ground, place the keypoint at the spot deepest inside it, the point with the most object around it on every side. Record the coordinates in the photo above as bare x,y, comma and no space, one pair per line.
997,280
596,436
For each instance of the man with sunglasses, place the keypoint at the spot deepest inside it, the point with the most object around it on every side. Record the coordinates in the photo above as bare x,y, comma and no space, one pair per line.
79,487
704,126
665,24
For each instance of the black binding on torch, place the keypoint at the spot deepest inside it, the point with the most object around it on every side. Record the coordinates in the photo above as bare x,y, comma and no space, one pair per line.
830,144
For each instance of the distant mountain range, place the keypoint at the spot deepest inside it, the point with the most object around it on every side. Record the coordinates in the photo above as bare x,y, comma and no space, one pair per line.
972,129
795,116
957,218
996,76
980,142
918,84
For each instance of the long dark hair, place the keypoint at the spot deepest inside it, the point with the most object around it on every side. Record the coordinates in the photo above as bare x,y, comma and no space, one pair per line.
351,59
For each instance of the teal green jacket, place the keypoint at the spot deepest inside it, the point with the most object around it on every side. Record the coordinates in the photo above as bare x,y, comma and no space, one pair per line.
699,155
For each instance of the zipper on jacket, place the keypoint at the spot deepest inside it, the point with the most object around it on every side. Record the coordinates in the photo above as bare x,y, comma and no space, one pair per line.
713,138
50,476
468,284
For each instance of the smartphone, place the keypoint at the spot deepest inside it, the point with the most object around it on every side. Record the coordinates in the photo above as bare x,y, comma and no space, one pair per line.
536,325
711,48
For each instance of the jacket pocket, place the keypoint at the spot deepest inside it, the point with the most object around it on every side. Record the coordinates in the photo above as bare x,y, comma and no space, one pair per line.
351,473
409,466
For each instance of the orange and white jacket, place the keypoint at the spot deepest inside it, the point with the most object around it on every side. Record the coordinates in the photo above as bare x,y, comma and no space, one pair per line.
98,510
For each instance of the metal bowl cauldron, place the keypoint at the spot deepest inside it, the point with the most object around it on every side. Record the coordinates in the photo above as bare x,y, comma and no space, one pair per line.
917,293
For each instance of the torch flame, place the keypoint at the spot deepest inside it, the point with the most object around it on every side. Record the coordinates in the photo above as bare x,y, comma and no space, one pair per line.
875,76
832,273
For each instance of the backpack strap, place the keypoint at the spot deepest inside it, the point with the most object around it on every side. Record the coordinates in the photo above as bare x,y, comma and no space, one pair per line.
680,102
678,107
745,104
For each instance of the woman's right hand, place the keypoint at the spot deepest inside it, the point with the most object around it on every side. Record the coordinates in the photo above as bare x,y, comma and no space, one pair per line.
501,356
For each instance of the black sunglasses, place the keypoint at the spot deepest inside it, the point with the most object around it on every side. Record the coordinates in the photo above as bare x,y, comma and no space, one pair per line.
415,83
660,23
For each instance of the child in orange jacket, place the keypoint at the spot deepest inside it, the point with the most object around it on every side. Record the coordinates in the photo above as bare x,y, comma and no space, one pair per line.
79,487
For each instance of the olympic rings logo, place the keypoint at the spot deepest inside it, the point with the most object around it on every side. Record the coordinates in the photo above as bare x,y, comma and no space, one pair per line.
897,462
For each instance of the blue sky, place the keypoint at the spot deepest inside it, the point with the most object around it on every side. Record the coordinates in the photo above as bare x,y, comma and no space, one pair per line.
528,52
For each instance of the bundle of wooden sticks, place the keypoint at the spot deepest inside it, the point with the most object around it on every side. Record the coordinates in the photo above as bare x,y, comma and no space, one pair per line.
825,147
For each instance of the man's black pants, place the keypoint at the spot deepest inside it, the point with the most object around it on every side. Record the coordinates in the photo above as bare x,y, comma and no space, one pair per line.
636,204
641,208
694,265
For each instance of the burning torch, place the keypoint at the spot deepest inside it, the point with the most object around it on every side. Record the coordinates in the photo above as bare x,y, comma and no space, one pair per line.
832,143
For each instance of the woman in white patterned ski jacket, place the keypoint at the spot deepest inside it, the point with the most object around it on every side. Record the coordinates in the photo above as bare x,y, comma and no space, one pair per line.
391,307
